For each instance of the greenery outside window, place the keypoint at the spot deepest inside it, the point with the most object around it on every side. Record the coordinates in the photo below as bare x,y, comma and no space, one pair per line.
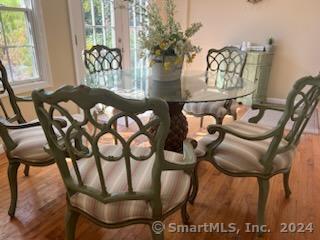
99,19
21,38
115,23
136,21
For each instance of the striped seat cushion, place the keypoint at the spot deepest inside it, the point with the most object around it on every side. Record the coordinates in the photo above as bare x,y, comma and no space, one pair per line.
206,108
30,143
174,186
237,155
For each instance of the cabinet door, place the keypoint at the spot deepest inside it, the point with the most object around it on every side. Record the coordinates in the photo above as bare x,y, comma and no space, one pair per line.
250,72
257,69
262,78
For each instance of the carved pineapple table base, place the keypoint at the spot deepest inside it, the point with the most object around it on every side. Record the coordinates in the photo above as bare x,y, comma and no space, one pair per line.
178,128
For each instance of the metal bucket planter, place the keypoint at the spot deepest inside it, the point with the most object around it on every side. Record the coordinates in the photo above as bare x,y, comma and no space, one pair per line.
171,72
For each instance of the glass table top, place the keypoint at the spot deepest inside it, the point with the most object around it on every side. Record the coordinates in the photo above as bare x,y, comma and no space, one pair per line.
195,86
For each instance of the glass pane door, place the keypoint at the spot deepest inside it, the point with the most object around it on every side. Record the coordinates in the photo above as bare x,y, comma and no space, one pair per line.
136,19
115,24
99,23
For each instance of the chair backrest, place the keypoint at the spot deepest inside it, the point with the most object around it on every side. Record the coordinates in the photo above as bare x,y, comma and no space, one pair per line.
72,140
300,105
7,89
228,64
101,58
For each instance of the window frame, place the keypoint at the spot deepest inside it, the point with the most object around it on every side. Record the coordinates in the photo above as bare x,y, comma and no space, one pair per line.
35,19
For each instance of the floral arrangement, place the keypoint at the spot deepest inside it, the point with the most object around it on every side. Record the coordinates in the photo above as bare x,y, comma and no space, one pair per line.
163,37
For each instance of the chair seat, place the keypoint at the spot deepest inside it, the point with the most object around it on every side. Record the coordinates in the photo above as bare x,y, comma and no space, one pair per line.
216,109
236,155
30,143
174,190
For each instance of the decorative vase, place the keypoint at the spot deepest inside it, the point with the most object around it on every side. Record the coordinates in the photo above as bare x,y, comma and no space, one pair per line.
171,72
169,90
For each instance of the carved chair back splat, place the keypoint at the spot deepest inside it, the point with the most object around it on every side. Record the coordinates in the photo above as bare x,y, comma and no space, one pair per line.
89,147
228,64
101,58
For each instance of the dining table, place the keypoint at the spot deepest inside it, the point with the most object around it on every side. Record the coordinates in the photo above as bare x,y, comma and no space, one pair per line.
192,87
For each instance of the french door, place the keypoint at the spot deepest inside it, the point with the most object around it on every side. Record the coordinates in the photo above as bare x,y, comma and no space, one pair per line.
113,23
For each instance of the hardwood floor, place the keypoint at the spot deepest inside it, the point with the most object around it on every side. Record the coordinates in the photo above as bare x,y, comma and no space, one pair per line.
222,199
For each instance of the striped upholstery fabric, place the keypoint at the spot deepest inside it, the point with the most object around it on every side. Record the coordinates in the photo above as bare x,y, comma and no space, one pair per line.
237,155
175,186
30,143
206,108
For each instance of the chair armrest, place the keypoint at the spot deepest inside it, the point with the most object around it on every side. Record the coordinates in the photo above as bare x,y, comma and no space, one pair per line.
269,106
24,98
262,107
212,129
222,130
6,125
189,158
12,126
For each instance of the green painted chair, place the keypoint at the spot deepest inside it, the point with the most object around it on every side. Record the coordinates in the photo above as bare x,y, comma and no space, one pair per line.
23,142
226,67
116,185
243,149
100,58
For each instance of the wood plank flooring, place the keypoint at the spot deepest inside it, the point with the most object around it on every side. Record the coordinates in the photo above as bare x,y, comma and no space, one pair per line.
222,199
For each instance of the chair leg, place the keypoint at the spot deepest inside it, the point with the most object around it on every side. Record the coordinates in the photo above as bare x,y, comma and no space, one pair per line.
95,117
263,196
12,176
184,214
257,118
115,126
26,170
157,231
235,116
195,185
201,122
71,219
219,121
286,184
127,122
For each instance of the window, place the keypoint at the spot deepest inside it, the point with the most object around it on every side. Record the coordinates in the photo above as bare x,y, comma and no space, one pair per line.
99,21
136,19
21,41
115,23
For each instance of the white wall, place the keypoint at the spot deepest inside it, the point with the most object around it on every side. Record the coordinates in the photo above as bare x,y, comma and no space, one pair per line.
294,24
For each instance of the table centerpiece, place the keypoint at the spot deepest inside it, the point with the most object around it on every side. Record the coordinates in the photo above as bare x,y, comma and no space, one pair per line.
164,42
